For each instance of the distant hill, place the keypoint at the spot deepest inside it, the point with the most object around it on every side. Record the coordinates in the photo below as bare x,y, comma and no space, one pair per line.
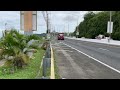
42,34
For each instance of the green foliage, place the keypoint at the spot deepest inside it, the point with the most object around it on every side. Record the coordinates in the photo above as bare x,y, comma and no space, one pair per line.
116,36
107,34
89,15
13,43
95,24
30,71
44,45
30,37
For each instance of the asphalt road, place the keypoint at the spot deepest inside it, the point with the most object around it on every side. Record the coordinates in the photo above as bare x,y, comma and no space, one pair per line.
108,54
75,65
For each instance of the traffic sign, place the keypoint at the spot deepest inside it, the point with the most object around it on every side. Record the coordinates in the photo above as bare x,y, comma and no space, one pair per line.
28,20
110,27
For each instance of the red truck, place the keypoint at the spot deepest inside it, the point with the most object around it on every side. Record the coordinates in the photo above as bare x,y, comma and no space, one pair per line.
60,36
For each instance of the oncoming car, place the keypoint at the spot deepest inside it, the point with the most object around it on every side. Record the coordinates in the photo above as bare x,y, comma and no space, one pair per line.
60,36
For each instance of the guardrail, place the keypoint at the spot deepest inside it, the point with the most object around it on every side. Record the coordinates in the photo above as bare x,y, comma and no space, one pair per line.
48,62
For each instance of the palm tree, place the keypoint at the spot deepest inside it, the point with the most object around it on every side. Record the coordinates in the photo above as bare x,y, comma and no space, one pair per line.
13,44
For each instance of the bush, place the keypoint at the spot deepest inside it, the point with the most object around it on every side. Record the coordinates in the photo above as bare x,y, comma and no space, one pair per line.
107,34
30,37
44,46
116,36
14,44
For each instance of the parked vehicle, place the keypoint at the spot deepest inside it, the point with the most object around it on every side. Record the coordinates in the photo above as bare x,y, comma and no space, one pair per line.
60,36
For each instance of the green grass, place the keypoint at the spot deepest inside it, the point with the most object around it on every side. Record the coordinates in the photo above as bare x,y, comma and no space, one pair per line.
29,72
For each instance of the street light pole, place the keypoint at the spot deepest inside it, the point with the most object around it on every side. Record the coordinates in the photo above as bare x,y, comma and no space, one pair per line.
110,16
47,22
77,27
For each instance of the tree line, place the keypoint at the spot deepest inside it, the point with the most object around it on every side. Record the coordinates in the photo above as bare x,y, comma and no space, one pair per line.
96,23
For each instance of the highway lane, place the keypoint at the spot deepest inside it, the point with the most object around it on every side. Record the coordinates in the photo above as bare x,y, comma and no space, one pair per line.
75,65
106,53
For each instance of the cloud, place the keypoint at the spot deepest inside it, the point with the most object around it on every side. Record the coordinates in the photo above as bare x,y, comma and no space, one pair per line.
58,20
12,18
69,18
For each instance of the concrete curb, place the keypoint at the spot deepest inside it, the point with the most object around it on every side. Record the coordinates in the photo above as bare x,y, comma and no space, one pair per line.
112,44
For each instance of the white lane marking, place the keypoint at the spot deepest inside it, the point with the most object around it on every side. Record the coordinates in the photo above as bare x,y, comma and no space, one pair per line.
56,43
93,58
103,49
65,50
63,78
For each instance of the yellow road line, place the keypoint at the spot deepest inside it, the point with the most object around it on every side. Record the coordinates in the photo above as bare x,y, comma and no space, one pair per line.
52,65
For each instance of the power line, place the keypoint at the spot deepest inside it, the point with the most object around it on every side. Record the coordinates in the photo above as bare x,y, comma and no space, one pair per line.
47,20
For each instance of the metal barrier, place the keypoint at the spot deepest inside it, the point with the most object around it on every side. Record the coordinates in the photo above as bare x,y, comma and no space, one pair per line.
48,62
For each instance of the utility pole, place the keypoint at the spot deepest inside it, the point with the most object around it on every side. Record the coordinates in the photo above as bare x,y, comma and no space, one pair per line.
47,22
47,19
77,31
77,28
110,21
110,16
110,25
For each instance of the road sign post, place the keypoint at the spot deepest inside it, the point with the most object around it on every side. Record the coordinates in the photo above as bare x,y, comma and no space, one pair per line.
110,26
109,29
28,21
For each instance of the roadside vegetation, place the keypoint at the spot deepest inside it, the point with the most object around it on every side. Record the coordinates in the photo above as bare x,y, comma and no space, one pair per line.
21,53
28,72
96,23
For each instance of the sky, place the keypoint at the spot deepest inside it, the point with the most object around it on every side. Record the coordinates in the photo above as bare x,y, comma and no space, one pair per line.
61,21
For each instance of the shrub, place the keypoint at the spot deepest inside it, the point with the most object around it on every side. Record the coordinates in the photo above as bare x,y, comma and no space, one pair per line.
107,34
13,44
30,37
116,36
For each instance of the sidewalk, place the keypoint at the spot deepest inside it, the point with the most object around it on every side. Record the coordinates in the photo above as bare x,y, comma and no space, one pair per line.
105,41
